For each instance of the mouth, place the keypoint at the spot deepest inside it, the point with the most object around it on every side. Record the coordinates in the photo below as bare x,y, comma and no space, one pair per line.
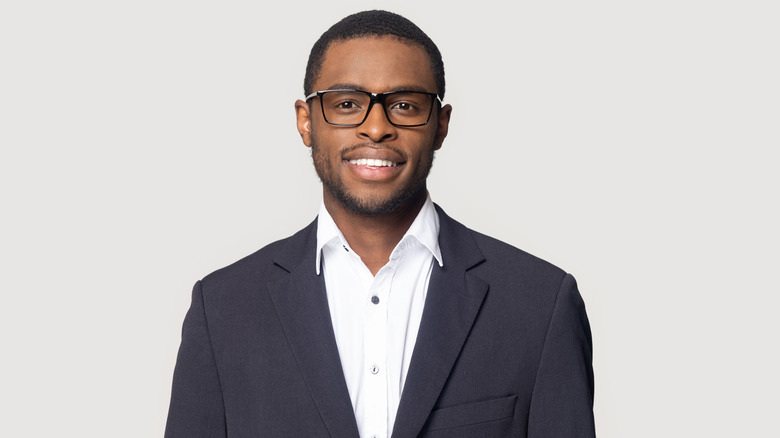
373,162
374,165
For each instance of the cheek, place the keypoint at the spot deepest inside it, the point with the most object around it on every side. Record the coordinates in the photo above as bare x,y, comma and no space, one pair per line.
330,141
427,143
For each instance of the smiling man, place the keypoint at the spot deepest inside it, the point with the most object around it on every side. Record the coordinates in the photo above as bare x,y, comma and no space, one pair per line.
384,317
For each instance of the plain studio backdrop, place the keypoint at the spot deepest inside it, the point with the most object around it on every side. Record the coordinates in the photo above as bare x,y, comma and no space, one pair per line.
633,143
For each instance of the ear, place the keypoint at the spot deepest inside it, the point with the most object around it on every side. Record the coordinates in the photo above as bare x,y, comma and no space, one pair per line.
443,126
303,120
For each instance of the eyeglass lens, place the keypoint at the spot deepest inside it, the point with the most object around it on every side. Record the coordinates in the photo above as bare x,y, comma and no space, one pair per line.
402,108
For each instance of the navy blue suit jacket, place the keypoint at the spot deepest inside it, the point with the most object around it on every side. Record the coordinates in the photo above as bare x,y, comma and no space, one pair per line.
503,350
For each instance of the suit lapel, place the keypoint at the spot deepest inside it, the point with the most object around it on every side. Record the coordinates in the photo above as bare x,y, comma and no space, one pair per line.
453,301
302,306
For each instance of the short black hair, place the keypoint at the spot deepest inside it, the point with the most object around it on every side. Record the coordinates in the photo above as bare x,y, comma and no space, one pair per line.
367,24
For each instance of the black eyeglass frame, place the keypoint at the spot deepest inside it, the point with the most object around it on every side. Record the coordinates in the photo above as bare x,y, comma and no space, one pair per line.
375,98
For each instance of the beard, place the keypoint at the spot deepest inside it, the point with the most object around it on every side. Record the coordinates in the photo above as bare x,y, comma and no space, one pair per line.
369,205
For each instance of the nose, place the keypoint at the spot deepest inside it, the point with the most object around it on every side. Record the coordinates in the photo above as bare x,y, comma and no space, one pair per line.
377,127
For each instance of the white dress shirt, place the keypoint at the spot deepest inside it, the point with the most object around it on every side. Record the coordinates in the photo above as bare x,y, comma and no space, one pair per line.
376,319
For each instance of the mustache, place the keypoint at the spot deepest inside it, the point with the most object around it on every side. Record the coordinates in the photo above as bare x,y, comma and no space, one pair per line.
372,145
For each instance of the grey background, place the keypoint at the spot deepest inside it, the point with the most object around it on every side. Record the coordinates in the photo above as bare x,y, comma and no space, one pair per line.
147,143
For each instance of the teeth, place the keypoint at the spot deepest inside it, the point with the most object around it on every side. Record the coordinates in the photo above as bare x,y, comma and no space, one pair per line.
372,162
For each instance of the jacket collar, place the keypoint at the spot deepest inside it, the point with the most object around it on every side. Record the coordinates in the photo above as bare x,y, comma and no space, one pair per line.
454,298
302,306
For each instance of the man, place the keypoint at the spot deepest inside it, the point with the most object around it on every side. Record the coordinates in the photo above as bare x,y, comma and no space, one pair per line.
384,317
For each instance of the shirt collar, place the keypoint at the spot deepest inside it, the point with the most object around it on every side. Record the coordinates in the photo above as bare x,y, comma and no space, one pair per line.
425,229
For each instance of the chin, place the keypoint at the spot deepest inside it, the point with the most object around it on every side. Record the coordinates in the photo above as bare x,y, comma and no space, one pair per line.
372,206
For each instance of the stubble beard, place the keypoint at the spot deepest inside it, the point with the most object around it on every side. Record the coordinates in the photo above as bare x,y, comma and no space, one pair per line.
369,206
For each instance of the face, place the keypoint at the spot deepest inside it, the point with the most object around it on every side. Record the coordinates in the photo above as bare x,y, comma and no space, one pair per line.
375,168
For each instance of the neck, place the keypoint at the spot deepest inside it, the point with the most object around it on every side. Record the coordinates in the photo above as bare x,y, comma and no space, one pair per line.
374,237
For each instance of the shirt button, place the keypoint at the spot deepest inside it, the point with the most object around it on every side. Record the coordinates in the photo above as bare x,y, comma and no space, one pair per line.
374,369
375,299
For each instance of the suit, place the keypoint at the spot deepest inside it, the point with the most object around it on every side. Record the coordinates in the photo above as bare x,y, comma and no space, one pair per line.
503,350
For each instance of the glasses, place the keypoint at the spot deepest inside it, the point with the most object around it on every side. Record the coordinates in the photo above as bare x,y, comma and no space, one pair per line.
351,107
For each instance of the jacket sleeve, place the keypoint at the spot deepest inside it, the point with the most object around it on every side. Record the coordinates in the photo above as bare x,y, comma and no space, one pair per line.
197,408
562,400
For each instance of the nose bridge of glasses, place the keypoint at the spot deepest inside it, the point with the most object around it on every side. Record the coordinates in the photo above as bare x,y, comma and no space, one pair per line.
380,99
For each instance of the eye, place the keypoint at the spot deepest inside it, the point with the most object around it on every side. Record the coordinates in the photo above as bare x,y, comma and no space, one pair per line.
403,106
346,105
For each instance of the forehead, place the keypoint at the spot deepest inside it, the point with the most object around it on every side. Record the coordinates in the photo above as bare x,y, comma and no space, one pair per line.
376,64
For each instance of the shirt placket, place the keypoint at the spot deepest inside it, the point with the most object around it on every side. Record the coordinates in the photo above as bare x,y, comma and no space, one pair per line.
375,349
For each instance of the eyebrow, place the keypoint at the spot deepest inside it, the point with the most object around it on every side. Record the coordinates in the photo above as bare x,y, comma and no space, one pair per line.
348,86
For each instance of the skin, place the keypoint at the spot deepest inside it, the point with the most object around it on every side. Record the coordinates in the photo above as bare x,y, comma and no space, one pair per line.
373,207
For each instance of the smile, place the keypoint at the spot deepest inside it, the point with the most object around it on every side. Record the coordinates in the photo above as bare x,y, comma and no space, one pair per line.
373,162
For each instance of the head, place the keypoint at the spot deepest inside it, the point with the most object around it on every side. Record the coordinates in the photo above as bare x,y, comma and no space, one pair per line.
375,167
373,24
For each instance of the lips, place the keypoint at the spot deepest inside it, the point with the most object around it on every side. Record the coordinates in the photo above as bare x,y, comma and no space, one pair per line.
372,162
373,156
